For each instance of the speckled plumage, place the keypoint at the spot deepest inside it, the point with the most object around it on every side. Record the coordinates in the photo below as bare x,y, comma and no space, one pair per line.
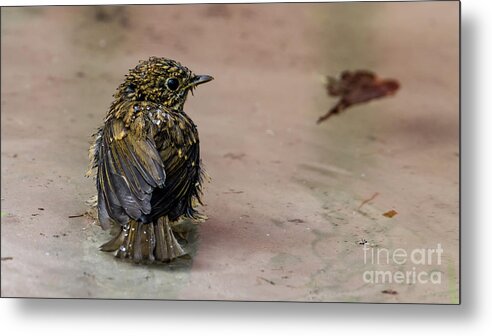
147,158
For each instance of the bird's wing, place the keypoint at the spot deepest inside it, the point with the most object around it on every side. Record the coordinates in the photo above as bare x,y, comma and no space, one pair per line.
129,169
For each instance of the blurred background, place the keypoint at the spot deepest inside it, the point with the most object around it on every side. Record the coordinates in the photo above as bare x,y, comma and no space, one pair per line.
288,217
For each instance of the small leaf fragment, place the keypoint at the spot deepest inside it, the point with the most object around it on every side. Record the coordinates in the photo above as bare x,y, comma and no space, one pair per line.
390,214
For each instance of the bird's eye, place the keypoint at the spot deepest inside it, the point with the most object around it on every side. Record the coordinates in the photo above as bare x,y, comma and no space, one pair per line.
172,84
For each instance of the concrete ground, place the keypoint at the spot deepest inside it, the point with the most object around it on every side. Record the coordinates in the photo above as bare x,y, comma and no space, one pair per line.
286,204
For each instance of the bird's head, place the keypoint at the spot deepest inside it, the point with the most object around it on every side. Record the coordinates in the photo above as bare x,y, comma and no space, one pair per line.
160,80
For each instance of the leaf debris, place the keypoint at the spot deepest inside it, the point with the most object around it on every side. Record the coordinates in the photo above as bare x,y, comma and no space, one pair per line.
357,87
389,291
376,194
390,214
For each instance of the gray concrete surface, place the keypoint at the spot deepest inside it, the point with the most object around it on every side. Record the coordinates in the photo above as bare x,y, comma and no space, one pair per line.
285,220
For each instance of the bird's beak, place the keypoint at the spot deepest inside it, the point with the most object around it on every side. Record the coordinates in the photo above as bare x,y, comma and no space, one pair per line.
200,79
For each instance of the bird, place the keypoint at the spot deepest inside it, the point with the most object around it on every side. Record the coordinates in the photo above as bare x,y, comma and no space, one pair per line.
145,159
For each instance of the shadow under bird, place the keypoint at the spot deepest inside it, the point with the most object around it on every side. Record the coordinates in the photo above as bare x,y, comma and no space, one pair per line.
147,161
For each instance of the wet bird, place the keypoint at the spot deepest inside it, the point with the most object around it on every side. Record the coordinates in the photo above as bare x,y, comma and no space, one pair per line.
146,160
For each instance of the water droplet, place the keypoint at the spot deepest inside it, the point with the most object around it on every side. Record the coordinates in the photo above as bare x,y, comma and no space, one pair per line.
122,248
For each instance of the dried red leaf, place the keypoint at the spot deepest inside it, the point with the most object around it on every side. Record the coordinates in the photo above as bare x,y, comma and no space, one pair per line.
356,87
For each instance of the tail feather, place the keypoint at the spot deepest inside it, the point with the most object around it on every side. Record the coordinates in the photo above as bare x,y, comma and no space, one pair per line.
114,243
167,247
146,243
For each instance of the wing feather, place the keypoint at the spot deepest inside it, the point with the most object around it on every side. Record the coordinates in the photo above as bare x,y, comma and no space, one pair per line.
130,168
